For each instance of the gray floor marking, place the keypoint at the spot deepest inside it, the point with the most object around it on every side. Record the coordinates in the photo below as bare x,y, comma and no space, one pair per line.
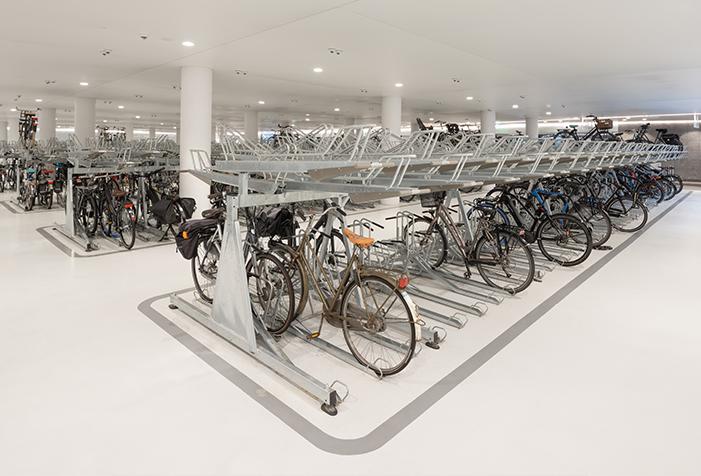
400,420
93,254
9,207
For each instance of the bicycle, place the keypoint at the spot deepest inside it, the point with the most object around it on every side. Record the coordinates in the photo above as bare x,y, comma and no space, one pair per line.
498,253
117,213
370,305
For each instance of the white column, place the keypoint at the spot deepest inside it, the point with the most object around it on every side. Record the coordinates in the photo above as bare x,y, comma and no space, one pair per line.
177,135
84,119
3,131
47,124
250,125
392,114
129,131
532,127
151,132
488,122
196,128
13,133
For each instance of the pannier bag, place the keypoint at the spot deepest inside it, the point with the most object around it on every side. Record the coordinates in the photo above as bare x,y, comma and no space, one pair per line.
189,234
166,212
275,221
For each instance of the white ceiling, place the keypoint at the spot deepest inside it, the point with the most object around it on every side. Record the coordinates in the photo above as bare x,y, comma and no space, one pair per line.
600,56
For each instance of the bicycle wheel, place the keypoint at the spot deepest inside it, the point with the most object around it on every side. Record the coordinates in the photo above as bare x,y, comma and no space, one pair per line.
626,214
300,280
87,215
514,268
105,218
49,200
669,188
271,292
432,243
564,239
677,181
378,324
126,223
204,267
651,193
598,221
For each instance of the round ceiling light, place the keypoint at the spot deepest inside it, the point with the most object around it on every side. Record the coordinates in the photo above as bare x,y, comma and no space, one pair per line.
261,102
120,107
84,83
187,43
548,113
398,85
514,106
469,98
318,70
336,109
137,117
38,100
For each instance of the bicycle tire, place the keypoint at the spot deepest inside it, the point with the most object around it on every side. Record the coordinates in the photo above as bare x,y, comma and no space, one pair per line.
504,241
275,322
205,291
405,329
561,241
126,222
440,240
300,280
620,207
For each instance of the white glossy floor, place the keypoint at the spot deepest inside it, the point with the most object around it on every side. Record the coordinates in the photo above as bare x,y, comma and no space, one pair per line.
606,382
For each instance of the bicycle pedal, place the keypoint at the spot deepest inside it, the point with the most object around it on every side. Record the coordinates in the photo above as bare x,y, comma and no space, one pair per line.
313,335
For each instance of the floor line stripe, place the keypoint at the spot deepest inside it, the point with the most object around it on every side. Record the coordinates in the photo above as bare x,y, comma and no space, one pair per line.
404,417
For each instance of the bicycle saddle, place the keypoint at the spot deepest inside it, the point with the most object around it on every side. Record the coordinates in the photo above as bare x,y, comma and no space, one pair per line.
357,240
664,131
213,213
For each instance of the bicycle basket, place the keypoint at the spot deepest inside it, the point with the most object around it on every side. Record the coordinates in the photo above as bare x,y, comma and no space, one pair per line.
429,200
604,124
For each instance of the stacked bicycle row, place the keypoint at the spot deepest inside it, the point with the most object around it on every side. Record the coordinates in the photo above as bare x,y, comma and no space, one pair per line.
294,262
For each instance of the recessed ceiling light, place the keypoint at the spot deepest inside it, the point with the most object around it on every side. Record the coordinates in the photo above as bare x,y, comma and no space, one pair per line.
120,107
38,100
261,102
336,109
306,119
548,113
307,115
644,118
514,106
137,117
548,106
104,120
469,98
398,85
161,123
13,110
83,83
318,70
431,119
188,43
175,127
627,117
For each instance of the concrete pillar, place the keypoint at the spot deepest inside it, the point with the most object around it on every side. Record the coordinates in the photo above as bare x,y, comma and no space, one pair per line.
84,119
488,122
13,132
250,125
47,124
129,131
392,114
177,135
196,129
3,131
532,127
151,132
